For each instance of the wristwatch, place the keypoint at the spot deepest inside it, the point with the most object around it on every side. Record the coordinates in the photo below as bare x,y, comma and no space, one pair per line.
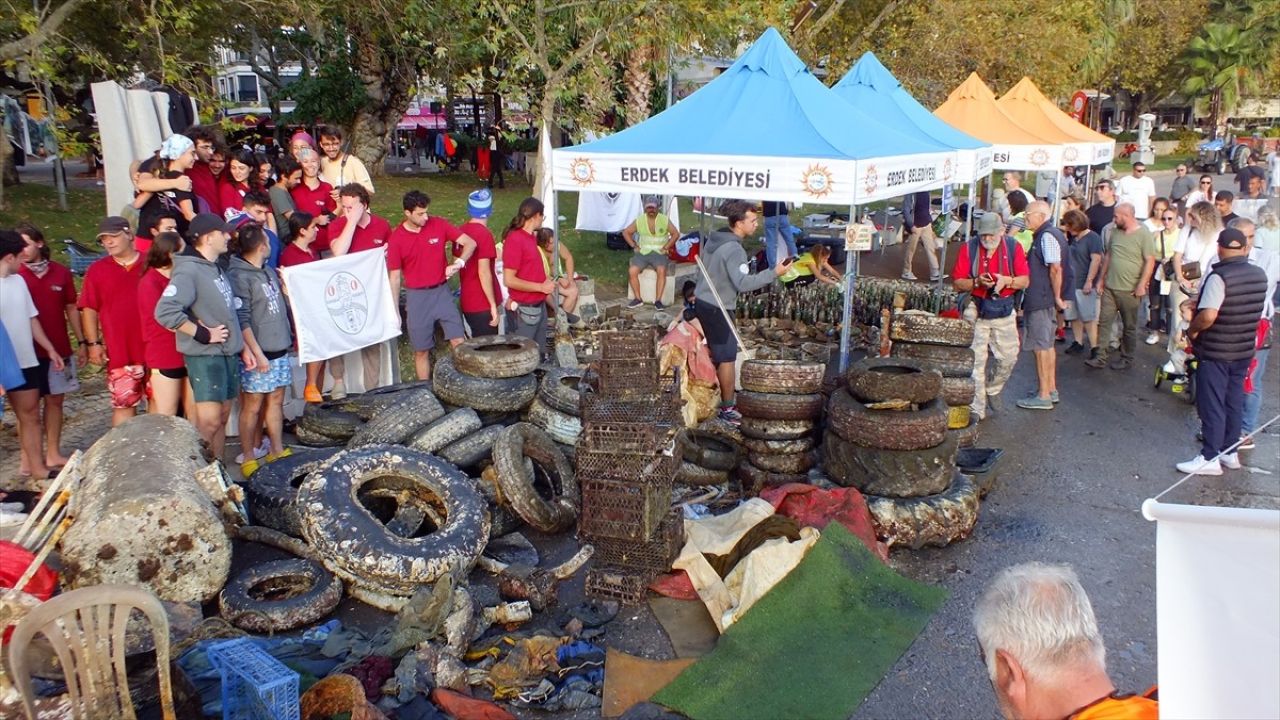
90,342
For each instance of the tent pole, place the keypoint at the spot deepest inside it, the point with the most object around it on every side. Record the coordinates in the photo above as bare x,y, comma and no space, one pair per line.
850,270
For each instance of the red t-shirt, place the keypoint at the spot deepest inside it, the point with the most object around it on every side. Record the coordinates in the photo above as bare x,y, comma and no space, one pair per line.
231,195
995,263
294,255
520,253
51,295
371,236
421,255
205,186
160,343
473,299
317,202
112,290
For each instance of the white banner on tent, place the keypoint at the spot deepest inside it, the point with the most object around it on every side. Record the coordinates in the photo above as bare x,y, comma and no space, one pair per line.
812,180
1027,157
341,304
1217,611
973,165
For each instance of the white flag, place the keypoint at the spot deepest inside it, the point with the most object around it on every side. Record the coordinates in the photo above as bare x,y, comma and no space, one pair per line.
1217,611
341,304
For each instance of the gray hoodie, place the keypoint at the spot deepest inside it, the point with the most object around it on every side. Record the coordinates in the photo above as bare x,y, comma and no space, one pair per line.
200,291
726,263
262,305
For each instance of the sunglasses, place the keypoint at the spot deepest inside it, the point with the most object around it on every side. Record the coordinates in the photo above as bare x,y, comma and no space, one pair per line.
1206,182
1168,218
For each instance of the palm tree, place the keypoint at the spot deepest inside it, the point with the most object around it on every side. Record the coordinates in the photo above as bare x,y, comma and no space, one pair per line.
1224,62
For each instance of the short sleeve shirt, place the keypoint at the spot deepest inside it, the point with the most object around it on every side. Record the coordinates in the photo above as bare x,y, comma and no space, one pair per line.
159,342
1129,251
16,311
52,294
473,299
112,290
1138,192
996,263
1100,216
370,237
1081,251
520,253
281,205
1212,292
421,255
293,255
316,202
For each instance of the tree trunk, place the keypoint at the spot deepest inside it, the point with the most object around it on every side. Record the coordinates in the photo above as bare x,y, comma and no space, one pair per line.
639,81
6,162
388,84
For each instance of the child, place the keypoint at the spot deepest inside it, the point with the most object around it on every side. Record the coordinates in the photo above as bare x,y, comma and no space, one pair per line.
568,289
1177,364
264,323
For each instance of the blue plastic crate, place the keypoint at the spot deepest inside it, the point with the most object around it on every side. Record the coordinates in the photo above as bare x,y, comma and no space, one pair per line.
81,256
255,686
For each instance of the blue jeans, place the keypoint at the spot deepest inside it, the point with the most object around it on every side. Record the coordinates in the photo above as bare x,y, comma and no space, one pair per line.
778,227
1253,400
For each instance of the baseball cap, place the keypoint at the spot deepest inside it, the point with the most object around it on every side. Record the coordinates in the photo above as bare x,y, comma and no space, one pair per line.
113,225
1232,238
990,224
480,204
651,201
205,223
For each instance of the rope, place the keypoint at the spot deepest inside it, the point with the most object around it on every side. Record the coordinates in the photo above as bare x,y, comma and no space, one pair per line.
1228,451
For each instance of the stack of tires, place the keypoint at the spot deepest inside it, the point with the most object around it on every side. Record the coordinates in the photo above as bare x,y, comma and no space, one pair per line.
626,464
887,436
706,458
555,407
493,375
781,406
944,344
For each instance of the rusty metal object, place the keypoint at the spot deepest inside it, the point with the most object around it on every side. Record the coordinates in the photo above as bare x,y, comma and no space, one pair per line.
141,518
536,585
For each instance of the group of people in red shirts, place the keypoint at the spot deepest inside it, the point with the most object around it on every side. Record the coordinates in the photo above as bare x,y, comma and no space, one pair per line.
145,326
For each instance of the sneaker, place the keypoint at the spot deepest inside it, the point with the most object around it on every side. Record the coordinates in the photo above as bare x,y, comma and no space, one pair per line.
283,454
1113,345
312,394
1061,335
657,305
730,415
1199,466
935,278
1053,395
1093,353
1096,361
1230,461
635,303
1121,363
1153,338
1074,348
1035,402
908,275
339,390
1246,443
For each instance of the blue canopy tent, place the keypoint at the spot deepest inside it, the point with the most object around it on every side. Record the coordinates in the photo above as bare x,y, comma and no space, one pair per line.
870,85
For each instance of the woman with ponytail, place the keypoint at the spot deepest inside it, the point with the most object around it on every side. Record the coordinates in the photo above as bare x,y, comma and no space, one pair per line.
525,275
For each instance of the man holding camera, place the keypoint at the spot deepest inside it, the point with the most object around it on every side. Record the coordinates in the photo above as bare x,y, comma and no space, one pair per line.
992,269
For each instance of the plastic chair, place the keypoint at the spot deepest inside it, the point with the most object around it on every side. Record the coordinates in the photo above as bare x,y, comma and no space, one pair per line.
86,628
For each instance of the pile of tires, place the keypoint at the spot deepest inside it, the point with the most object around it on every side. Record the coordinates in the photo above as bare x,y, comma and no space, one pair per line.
944,344
781,405
887,437
555,408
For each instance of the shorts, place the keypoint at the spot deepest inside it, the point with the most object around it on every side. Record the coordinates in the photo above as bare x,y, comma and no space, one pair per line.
214,378
427,306
279,374
478,323
649,260
35,377
720,339
1039,328
126,385
1085,308
171,373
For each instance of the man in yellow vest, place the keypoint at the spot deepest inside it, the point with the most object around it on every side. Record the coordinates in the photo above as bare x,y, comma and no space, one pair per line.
651,236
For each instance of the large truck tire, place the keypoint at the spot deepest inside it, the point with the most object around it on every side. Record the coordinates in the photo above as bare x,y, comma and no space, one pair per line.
936,520
918,429
889,473
555,508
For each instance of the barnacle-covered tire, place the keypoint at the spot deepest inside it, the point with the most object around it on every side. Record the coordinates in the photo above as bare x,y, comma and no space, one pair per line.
691,474
779,406
890,473
755,479
445,431
496,356
279,595
559,389
791,377
921,327
371,402
473,449
501,395
516,479
271,492
708,450
950,361
778,447
958,391
762,429
879,379
936,520
918,429
562,427
396,423
790,463
332,418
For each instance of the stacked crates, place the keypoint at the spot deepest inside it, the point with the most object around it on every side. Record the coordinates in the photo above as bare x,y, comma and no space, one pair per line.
626,465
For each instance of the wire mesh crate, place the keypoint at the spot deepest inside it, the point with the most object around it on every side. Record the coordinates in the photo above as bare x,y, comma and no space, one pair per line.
626,586
627,378
655,555
623,509
255,686
627,344
659,466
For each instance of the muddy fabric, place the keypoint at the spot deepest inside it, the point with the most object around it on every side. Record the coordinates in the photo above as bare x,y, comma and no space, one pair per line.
528,662
675,585
774,526
629,680
717,535
823,637
687,624
815,507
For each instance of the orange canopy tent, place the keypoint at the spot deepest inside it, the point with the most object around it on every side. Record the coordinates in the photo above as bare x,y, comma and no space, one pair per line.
1031,109
972,108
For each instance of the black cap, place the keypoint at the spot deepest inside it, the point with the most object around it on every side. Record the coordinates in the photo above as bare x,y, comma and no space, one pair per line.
113,225
1232,238
205,223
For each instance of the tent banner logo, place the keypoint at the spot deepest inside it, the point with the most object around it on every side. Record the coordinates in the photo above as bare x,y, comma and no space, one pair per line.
947,170
1070,154
1039,157
817,180
870,180
583,171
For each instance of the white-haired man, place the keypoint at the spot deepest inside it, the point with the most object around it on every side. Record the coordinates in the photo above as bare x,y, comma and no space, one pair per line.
1043,652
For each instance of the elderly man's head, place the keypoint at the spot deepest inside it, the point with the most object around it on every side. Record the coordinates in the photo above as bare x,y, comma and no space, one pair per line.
1038,213
1040,642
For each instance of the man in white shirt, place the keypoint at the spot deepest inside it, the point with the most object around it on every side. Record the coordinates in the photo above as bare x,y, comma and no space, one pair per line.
1013,184
1138,190
338,166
